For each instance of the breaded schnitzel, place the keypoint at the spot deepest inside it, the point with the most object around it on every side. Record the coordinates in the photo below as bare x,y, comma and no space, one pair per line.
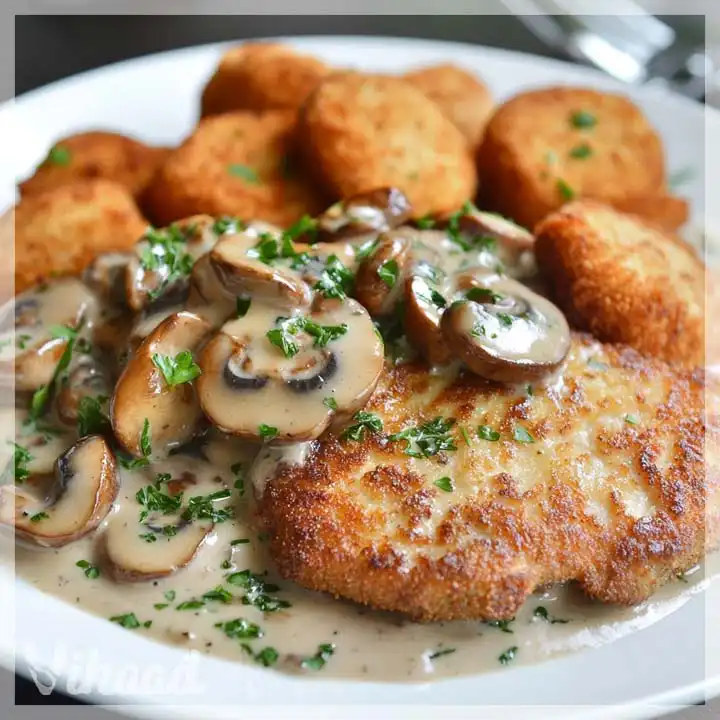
598,478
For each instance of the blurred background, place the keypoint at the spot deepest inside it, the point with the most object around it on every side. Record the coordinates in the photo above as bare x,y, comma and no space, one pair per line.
637,42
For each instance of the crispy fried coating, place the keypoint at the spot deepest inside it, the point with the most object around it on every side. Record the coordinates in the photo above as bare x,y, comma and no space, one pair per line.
89,155
462,96
60,231
668,211
624,280
234,164
261,76
360,132
544,147
608,492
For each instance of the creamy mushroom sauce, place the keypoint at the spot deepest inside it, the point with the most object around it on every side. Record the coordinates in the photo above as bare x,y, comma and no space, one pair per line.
198,606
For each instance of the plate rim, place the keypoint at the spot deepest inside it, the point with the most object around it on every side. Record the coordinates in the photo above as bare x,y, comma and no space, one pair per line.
633,709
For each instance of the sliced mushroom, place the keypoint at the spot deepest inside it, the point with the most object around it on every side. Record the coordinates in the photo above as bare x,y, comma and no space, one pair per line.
88,379
242,274
132,557
364,214
64,303
55,510
143,285
424,306
248,381
142,392
380,278
208,297
106,275
504,331
506,243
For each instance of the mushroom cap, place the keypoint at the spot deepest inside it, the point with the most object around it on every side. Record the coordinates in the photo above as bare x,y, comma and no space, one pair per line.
196,235
242,274
76,498
106,275
208,297
364,214
247,381
131,559
510,334
142,392
379,279
88,379
66,302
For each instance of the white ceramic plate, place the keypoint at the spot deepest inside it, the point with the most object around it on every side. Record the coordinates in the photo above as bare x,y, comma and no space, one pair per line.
654,670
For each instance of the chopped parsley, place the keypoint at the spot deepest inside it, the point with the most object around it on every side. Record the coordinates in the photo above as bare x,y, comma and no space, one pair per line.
242,305
388,272
202,507
566,192
267,431
582,119
427,439
363,421
148,537
466,435
444,483
508,656
483,242
366,250
178,370
336,280
282,336
227,224
505,319
91,571
267,657
21,458
441,653
522,435
130,621
166,252
190,605
240,629
244,173
581,152
91,417
59,155
632,419
145,449
240,541
304,226
330,403
42,394
169,595
37,517
502,625
218,594
542,613
425,223
21,340
483,295
485,432
155,500
257,591
320,658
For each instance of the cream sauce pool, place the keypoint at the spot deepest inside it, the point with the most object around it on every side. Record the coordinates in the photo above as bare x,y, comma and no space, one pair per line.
229,602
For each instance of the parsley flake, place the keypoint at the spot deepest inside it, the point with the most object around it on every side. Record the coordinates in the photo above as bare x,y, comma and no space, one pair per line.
320,658
202,507
330,403
542,613
128,620
242,305
566,192
91,417
178,370
427,439
363,421
441,653
444,483
240,629
59,155
508,656
20,472
632,419
522,435
581,152
582,119
267,431
91,571
388,272
244,173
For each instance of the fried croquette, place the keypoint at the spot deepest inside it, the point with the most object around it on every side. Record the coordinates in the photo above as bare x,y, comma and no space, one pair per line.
90,155
546,147
668,211
62,230
598,479
624,280
359,132
463,98
234,164
261,76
